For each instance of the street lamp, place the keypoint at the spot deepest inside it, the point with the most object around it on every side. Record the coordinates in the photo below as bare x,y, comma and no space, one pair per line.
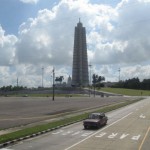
42,75
53,84
119,73
17,82
90,81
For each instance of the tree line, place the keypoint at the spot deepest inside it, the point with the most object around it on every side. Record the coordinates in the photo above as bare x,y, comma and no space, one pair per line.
134,83
12,88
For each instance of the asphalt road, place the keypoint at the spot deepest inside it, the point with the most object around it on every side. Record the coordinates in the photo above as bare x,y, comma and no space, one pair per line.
17,111
127,129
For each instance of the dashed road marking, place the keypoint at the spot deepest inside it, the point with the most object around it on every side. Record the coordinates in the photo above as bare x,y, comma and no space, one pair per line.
58,132
66,133
86,134
77,133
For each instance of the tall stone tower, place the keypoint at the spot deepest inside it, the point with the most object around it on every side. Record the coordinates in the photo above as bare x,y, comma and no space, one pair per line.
80,75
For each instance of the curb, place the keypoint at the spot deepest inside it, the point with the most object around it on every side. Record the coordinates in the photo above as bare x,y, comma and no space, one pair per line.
35,134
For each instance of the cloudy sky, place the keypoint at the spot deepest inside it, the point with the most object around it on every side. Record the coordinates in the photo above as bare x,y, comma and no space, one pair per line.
36,34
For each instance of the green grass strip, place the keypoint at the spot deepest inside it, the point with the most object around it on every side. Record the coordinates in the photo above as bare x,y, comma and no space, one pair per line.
33,130
129,92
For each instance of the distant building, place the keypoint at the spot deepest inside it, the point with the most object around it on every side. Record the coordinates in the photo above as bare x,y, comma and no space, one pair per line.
69,82
80,75
109,84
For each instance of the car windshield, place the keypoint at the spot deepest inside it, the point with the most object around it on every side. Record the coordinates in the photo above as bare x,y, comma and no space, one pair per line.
93,116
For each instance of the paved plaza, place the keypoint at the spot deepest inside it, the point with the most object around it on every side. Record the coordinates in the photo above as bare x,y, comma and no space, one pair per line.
17,111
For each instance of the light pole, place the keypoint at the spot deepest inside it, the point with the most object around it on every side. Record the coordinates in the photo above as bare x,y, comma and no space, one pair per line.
119,73
90,80
42,75
94,82
17,82
53,84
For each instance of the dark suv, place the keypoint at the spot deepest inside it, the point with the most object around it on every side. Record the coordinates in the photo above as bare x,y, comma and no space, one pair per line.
95,120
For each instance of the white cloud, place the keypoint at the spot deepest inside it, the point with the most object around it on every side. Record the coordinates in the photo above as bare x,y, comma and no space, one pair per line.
133,27
114,36
45,39
51,33
30,1
7,48
135,71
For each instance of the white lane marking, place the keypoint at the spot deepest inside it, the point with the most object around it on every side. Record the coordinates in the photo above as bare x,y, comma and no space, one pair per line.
113,135
76,133
136,137
119,136
101,134
60,131
87,133
142,116
123,136
98,131
66,133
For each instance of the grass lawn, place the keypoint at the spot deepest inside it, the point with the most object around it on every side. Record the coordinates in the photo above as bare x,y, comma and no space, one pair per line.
129,92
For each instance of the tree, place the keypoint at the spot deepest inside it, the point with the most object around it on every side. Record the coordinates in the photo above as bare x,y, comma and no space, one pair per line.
97,80
145,84
59,79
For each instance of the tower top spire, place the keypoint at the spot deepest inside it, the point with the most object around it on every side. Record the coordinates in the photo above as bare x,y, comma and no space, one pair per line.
79,23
